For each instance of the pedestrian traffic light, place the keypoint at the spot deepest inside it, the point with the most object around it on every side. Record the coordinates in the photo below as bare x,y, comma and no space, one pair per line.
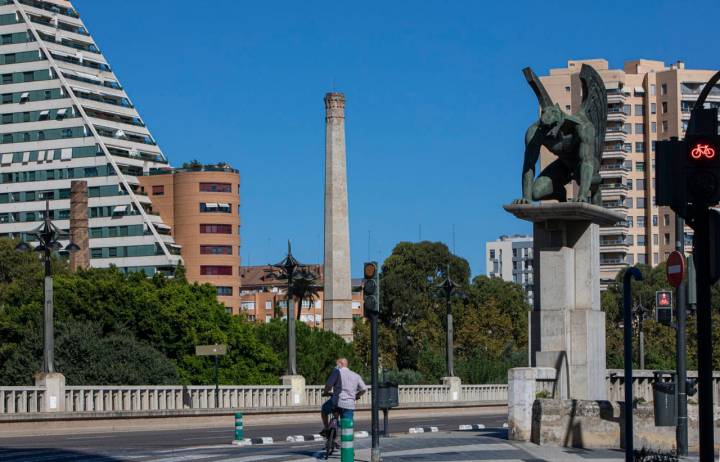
371,289
663,307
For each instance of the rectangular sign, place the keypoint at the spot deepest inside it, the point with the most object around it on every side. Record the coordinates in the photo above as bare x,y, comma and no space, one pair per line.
210,350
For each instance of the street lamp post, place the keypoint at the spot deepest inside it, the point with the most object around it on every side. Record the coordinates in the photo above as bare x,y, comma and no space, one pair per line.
288,267
448,288
48,236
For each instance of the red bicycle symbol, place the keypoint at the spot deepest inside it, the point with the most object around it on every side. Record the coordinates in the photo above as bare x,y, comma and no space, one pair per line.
702,150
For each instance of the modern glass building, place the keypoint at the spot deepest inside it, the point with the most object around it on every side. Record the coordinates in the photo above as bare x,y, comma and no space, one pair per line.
64,115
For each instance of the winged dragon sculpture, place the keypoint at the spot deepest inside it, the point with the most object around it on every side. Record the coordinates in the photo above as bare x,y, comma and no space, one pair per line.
577,141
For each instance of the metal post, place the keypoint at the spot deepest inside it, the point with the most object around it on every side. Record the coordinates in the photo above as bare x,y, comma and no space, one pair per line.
386,411
375,430
701,250
449,342
627,327
292,368
239,429
681,431
217,384
48,315
347,445
641,341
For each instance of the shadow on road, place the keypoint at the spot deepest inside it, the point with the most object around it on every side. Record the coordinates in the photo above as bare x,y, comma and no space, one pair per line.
46,454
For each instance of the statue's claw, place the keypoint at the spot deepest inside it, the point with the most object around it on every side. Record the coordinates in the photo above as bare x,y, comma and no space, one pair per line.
521,201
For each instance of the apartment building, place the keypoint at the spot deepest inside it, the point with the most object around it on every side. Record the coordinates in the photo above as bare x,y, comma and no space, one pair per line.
647,101
264,297
200,207
510,258
64,115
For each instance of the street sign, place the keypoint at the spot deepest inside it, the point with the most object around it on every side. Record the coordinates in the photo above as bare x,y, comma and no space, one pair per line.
675,269
210,350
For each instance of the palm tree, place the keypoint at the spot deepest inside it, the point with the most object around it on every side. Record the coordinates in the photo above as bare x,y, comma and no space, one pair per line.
305,287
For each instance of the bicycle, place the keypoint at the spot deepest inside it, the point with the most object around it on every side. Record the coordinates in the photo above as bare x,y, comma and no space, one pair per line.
331,439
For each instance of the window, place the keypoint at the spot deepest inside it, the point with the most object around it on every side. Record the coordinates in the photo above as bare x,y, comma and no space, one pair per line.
630,239
246,306
629,184
629,221
666,239
640,184
216,229
216,249
567,89
639,146
627,109
639,129
653,108
655,221
492,254
641,221
158,190
26,137
663,89
666,220
628,129
28,76
41,135
6,39
268,305
641,202
112,251
213,270
655,239
7,118
7,98
216,187
630,259
642,259
627,147
639,166
10,58
664,126
7,78
653,89
639,110
664,107
656,258
641,239
224,291
215,207
653,127
67,133
96,253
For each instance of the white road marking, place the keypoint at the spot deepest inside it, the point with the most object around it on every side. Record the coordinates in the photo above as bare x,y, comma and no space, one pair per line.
464,448
90,437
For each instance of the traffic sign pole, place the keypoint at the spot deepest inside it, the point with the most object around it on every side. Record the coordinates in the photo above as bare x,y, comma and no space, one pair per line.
681,430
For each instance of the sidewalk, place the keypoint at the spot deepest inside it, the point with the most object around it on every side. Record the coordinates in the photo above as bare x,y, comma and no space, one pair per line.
469,446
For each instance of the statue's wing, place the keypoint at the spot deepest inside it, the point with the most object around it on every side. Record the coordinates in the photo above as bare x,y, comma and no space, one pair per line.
594,104
538,88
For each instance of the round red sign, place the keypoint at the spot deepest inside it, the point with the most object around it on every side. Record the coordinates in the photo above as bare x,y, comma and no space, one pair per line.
675,269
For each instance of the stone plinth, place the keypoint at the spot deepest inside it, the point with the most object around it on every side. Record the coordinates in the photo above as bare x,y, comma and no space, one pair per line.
524,384
455,385
54,384
567,327
297,388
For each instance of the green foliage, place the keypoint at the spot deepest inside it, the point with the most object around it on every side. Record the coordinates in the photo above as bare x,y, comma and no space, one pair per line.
485,367
405,377
319,349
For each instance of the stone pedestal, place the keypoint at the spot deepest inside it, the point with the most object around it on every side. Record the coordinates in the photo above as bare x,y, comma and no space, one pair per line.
455,385
524,384
297,386
54,384
567,327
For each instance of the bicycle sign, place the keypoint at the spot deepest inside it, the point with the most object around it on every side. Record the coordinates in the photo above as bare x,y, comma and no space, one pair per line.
702,150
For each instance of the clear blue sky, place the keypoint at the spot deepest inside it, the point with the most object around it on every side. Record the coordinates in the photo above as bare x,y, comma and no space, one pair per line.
436,103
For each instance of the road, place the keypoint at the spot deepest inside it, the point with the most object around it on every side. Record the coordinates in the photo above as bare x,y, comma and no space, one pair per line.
182,444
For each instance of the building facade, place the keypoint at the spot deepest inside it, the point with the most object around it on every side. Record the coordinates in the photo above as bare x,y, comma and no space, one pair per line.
510,258
647,101
264,297
200,207
64,115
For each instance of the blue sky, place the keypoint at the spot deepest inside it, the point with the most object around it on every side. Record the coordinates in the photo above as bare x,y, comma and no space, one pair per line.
436,102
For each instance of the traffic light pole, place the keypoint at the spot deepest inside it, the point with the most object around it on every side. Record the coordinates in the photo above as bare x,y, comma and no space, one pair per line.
681,431
375,417
701,252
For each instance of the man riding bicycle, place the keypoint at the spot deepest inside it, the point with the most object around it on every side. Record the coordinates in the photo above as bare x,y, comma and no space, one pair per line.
344,387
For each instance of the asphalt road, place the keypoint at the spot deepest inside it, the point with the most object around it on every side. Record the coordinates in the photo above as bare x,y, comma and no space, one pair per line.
170,445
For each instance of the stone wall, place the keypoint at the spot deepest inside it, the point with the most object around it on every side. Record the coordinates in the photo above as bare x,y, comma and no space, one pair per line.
600,424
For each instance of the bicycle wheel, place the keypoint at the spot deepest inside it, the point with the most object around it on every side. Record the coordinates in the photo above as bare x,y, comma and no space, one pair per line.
330,442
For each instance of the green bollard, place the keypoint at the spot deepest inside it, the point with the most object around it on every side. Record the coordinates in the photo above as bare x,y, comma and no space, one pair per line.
347,447
239,426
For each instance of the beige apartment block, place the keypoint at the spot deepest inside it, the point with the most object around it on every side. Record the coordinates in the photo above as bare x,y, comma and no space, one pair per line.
264,297
200,207
647,101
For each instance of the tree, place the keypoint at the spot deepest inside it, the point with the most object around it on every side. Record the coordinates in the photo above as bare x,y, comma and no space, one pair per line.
305,287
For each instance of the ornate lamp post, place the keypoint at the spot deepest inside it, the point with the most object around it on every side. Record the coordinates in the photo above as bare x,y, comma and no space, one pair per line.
48,237
448,288
287,269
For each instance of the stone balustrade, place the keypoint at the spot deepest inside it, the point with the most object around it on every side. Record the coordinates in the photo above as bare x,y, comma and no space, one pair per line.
25,400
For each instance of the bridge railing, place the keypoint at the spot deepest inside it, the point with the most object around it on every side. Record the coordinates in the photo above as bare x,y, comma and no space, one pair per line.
21,400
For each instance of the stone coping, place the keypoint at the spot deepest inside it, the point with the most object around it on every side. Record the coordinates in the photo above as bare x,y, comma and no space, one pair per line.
171,413
564,211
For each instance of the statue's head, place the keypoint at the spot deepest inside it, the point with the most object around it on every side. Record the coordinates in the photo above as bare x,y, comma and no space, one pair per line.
551,116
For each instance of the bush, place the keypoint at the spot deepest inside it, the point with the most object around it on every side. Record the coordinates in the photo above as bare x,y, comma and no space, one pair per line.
404,377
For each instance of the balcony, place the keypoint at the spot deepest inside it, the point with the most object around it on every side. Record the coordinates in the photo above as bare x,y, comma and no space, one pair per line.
616,114
615,134
614,170
618,229
615,151
615,97
618,189
618,206
613,246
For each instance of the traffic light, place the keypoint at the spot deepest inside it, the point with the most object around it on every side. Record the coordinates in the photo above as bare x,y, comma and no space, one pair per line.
663,306
688,171
371,289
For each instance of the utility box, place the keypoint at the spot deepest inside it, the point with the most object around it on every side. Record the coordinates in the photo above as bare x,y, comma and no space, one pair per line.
388,395
665,401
